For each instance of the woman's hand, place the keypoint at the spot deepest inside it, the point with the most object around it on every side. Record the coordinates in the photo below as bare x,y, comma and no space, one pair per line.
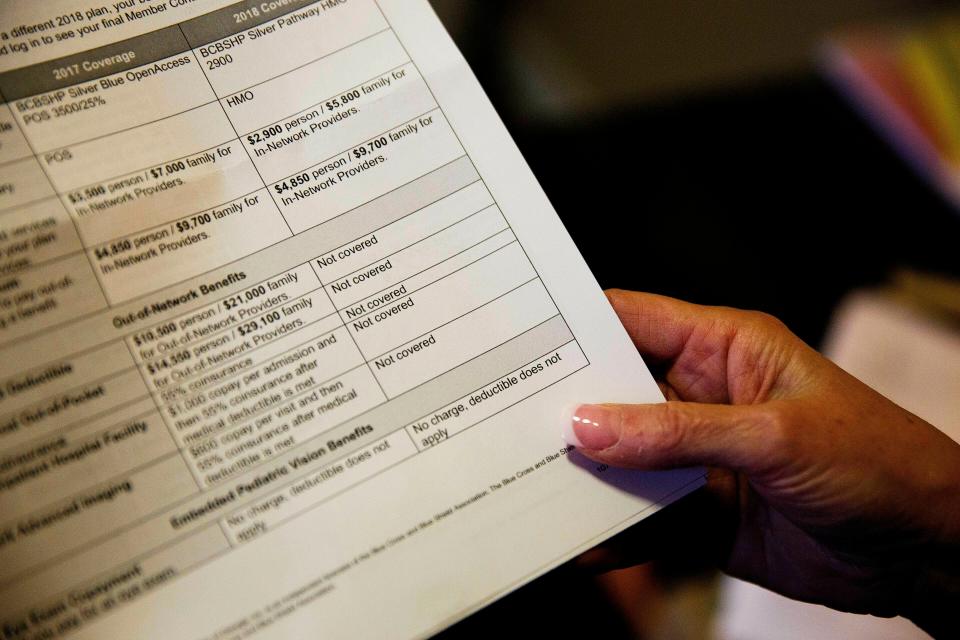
842,497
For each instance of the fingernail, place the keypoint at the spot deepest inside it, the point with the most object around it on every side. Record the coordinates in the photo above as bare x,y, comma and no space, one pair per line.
566,426
593,426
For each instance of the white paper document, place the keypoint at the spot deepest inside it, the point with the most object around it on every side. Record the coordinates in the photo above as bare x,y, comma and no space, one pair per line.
286,329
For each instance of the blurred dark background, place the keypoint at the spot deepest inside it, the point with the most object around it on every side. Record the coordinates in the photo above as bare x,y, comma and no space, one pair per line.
696,149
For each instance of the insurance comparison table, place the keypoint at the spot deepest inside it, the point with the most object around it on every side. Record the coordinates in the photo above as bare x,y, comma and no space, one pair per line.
246,266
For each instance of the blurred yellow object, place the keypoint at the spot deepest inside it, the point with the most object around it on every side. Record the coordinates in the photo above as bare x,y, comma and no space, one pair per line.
936,295
933,73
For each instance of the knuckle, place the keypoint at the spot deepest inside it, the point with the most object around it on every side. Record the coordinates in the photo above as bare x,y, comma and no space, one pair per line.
766,322
667,434
779,433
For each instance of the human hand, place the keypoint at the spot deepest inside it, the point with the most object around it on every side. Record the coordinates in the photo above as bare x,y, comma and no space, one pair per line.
841,497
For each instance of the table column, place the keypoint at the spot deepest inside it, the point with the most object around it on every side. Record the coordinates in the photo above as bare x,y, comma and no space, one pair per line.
45,278
81,441
328,104
252,375
100,181
429,292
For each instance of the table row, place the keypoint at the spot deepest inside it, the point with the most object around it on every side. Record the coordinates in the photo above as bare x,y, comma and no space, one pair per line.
65,289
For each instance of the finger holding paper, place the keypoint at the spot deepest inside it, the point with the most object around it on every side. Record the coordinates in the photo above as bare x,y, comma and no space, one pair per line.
832,504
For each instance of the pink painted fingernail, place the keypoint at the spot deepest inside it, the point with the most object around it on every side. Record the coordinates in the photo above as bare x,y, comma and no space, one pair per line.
566,426
592,426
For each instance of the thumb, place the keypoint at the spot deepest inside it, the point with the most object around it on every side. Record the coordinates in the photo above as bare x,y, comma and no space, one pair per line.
675,434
